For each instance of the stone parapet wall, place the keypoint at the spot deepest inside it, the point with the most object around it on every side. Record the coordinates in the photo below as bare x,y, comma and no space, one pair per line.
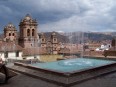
61,78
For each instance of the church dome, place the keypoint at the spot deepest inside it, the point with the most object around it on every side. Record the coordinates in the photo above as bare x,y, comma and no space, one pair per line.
27,17
53,33
28,20
10,26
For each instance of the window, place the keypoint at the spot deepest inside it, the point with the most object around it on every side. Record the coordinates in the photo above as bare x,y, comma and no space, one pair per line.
55,39
9,34
6,54
17,54
43,45
28,32
13,34
54,48
33,32
42,39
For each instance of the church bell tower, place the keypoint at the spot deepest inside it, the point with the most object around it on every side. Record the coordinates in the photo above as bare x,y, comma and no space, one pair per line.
28,32
10,33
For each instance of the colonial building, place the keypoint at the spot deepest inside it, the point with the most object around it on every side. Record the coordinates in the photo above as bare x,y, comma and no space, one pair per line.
10,33
28,43
50,43
28,32
29,37
9,50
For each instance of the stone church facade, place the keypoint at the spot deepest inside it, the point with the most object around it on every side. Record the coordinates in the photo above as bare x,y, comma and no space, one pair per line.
28,32
28,36
51,43
10,33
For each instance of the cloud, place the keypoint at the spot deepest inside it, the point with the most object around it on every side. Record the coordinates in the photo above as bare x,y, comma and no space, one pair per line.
74,23
5,12
96,18
81,23
62,15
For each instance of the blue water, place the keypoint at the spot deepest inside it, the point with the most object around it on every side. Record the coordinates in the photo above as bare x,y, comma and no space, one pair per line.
72,64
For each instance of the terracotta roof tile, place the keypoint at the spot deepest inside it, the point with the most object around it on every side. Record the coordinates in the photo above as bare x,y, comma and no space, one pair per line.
34,51
10,47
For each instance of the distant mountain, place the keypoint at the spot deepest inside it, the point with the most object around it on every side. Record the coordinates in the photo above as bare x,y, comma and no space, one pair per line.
61,38
113,33
98,37
78,37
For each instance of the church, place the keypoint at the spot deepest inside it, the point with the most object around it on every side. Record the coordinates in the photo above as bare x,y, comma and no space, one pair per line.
27,41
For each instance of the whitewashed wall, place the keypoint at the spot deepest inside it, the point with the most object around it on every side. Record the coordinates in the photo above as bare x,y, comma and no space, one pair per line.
2,56
31,57
11,55
20,54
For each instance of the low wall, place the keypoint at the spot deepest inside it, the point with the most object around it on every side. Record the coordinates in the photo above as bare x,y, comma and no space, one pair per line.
109,53
93,53
63,79
49,58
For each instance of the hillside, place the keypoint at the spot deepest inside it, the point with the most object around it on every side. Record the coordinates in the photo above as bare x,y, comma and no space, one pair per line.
61,38
78,37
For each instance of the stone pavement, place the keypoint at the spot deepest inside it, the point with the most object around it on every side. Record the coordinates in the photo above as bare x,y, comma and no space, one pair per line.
25,81
21,80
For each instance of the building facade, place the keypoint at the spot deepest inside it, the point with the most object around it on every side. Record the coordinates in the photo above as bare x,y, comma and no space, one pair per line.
28,32
10,33
29,37
50,43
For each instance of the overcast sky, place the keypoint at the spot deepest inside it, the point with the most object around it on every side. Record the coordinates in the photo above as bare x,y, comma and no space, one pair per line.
61,15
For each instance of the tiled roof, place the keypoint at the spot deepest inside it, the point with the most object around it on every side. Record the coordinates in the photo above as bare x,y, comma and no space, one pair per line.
34,51
69,50
9,47
64,50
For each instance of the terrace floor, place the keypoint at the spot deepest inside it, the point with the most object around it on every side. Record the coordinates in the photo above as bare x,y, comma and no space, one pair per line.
21,80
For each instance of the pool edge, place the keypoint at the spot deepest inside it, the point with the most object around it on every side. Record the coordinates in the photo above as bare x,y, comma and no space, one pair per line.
63,78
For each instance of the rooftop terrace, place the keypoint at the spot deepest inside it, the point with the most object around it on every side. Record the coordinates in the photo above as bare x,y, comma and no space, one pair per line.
22,80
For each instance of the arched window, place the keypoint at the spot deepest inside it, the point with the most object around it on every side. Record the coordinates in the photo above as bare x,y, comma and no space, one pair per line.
9,34
33,32
42,39
28,32
54,39
13,34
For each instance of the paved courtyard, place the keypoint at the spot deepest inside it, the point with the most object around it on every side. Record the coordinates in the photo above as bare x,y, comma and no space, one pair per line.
21,80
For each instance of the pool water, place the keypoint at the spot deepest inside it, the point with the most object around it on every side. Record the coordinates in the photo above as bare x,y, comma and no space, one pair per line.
71,65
